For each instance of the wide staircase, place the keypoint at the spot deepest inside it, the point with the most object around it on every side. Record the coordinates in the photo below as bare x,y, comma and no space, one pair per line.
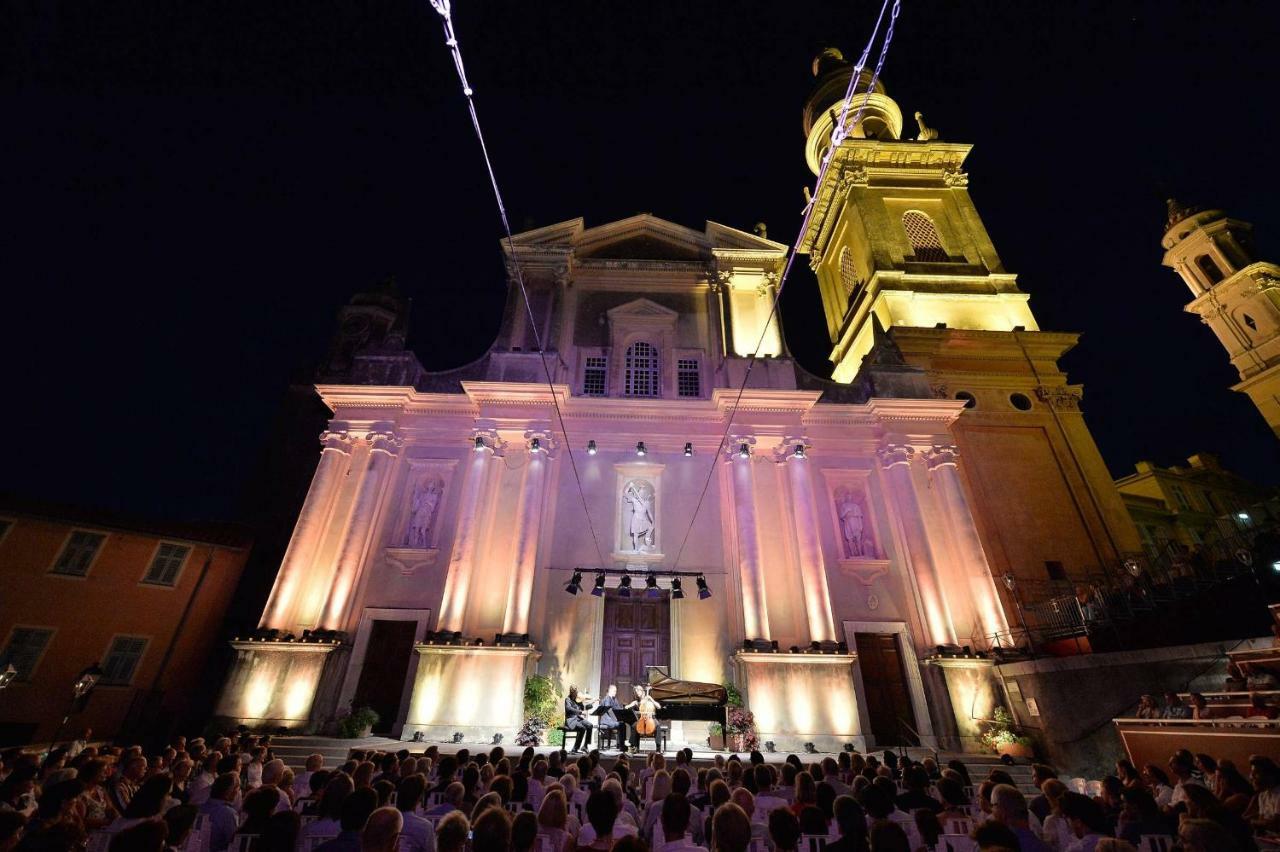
294,750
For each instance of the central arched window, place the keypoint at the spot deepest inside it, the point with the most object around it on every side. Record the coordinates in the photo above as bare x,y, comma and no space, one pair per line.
926,245
1209,268
641,364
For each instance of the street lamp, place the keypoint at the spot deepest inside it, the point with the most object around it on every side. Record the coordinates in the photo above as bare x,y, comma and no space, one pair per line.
80,692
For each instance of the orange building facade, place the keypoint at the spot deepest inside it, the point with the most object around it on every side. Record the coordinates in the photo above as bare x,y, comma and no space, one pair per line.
146,602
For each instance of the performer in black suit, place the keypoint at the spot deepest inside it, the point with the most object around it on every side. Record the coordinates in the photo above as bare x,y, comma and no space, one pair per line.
609,722
575,719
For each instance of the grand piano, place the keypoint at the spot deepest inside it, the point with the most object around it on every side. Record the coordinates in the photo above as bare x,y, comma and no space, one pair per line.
687,700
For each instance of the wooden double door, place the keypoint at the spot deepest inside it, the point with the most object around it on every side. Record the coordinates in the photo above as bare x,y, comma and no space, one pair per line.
885,685
637,634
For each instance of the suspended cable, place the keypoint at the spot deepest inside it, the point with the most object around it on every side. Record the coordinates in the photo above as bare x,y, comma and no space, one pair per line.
451,39
838,135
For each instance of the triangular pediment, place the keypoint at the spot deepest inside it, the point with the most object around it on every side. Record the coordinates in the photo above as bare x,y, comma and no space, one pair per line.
643,237
641,309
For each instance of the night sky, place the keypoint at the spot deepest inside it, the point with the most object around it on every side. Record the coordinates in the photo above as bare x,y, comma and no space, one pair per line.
191,191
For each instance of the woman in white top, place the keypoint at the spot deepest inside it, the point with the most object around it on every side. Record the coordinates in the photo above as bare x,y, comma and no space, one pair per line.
1056,831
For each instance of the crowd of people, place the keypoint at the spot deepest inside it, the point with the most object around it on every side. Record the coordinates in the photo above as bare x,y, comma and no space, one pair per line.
233,794
1198,707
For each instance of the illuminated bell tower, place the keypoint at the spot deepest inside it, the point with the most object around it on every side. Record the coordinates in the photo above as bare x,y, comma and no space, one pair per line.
895,238
1236,296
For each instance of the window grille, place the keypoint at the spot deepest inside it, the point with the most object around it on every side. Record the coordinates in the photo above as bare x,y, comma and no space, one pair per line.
26,646
593,375
641,370
76,556
926,246
122,659
688,377
167,563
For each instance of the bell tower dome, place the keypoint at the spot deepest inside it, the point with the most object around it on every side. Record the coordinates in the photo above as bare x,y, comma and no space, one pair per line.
881,117
1236,296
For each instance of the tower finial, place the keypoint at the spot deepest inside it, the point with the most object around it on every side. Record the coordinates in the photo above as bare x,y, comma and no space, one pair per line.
1178,211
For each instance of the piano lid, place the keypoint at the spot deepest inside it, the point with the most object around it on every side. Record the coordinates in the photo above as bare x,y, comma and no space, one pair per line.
667,690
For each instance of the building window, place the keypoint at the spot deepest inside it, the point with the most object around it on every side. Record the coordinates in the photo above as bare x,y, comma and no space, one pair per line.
970,401
168,561
1209,268
1180,497
77,555
688,377
641,370
1249,321
848,274
593,375
926,246
26,647
1020,401
122,660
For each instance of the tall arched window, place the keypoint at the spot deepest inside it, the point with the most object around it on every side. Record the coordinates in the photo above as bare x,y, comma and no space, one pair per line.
1209,268
926,246
641,364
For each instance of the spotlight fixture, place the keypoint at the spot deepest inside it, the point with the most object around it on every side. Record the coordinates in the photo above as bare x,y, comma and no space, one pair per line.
814,647
575,583
417,736
810,748
640,449
850,747
677,593
795,649
535,445
744,451
799,453
688,449
703,591
624,587
651,586
479,443
1275,566
591,448
598,591
770,746
497,738
457,736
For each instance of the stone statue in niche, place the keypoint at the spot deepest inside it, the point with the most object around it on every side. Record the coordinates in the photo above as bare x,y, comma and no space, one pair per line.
852,525
422,512
641,524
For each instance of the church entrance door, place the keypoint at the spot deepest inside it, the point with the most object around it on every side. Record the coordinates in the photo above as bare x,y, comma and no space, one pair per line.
884,683
637,635
386,664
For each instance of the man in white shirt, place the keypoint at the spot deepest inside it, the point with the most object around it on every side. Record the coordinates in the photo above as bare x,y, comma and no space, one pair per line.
675,822
302,781
767,801
221,811
1180,769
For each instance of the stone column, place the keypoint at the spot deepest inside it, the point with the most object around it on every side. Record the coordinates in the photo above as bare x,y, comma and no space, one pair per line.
457,584
527,532
895,462
977,572
335,456
813,573
383,448
755,613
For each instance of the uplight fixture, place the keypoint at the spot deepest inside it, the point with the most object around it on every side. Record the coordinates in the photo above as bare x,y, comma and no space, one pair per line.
677,593
688,449
591,448
799,453
744,451
598,590
479,443
624,587
575,583
651,586
703,591
640,448
535,445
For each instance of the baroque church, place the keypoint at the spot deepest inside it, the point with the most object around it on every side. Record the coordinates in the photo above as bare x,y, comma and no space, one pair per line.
852,558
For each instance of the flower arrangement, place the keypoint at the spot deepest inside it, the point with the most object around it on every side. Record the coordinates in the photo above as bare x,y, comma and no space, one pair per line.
742,729
357,722
531,733
541,703
1000,735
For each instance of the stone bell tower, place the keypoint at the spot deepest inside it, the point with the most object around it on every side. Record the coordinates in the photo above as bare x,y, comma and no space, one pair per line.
896,240
1236,296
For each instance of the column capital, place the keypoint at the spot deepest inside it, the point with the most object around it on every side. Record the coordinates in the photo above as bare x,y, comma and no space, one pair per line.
895,454
382,438
941,455
1060,397
733,447
792,448
546,442
337,438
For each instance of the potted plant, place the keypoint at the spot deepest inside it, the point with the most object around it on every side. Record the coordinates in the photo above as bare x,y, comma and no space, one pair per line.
742,730
715,738
541,705
1001,737
358,722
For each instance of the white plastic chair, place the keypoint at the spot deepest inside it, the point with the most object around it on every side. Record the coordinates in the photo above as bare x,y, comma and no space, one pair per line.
958,825
956,843
1155,843
1077,785
1093,788
816,842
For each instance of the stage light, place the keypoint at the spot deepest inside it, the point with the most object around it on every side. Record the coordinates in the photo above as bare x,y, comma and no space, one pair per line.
640,449
457,736
1244,516
795,649
1275,566
599,587
815,647
688,449
535,445
677,593
703,591
770,746
744,451
575,584
810,748
651,587
800,451
591,448
624,587
479,443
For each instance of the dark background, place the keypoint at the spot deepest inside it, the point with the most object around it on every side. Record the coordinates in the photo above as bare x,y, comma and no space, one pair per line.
191,190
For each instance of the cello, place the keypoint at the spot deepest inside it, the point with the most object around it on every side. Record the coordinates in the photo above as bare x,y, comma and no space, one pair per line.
646,708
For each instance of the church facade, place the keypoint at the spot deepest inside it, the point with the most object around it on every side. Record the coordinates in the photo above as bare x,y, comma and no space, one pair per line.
843,551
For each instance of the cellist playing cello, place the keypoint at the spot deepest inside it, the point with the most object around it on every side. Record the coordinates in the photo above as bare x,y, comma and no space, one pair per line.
646,708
